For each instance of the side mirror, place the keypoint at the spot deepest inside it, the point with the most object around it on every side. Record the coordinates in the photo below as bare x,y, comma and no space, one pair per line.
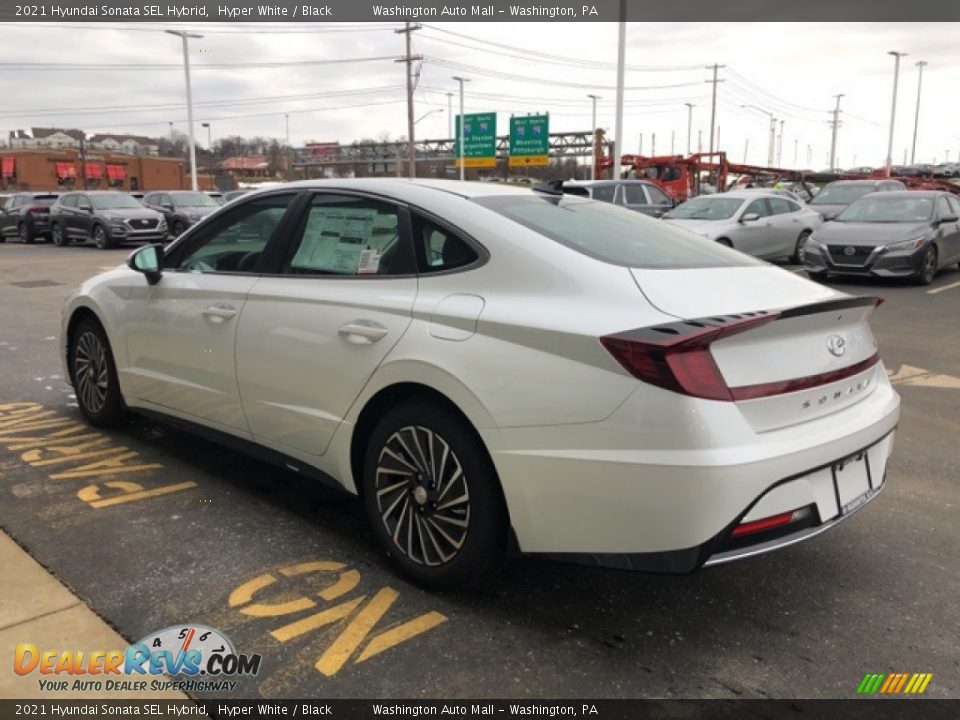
749,217
949,218
147,260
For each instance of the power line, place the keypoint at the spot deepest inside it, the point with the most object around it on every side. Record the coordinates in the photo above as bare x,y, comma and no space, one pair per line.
61,67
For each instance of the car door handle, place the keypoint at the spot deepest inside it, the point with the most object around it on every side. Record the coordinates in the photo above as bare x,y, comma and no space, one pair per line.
219,312
362,332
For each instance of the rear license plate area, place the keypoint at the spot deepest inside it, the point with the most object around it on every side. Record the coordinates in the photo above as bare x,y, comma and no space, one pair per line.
853,483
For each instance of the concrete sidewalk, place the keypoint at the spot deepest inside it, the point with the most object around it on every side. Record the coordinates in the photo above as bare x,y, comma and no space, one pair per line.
36,608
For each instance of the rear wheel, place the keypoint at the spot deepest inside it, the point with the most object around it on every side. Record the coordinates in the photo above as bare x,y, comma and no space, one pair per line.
801,247
433,497
25,233
58,235
928,266
94,375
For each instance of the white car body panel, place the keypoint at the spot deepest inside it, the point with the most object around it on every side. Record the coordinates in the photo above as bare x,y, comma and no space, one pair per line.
591,460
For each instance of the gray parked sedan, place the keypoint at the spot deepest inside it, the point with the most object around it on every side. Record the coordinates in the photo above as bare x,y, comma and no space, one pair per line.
639,195
897,234
761,224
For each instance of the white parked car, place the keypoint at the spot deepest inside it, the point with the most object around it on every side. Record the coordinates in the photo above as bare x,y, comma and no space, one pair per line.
481,363
763,224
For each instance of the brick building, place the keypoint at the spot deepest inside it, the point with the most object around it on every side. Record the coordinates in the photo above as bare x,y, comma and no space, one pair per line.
67,170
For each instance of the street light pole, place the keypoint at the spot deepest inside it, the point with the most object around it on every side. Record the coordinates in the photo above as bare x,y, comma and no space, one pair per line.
916,118
286,119
893,106
690,108
593,137
833,135
621,55
460,123
450,114
771,143
186,71
209,142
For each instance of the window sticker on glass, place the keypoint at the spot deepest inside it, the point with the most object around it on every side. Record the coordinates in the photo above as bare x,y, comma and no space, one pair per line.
335,240
369,262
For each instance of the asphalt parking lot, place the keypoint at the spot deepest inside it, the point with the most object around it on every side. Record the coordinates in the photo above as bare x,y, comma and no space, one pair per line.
288,570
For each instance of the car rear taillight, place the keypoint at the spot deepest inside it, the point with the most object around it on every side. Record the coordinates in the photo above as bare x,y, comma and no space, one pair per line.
677,357
771,522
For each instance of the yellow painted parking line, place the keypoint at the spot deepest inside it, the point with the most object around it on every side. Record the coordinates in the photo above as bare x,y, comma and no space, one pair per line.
918,377
951,286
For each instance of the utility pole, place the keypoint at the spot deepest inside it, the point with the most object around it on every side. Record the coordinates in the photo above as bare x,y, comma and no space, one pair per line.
833,134
713,102
672,138
916,118
450,114
460,123
780,145
171,131
796,148
621,57
184,36
718,138
593,137
893,108
809,155
772,151
746,147
640,151
653,145
409,59
699,141
690,108
286,117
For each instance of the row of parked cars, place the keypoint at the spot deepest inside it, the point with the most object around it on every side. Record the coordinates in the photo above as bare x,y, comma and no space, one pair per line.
873,227
105,217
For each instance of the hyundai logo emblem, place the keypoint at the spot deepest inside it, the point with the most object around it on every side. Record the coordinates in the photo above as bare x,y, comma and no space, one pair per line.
848,251
836,345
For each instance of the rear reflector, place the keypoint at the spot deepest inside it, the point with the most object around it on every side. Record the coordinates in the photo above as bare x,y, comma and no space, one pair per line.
768,523
678,358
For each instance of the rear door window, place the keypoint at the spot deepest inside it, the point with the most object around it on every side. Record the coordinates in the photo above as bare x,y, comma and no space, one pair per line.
759,207
658,197
604,193
613,234
781,206
634,195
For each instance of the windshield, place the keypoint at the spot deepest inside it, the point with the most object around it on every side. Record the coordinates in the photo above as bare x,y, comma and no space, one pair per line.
706,208
194,199
612,234
114,202
841,194
884,208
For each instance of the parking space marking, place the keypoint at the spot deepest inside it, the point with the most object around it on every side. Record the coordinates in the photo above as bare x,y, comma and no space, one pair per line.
73,451
363,619
951,286
918,377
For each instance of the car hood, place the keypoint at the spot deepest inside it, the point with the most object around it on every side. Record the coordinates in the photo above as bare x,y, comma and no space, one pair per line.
707,228
130,214
827,212
705,292
869,234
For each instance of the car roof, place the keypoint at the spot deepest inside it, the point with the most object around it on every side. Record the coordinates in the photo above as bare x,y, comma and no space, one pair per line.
863,182
751,193
910,194
593,183
403,188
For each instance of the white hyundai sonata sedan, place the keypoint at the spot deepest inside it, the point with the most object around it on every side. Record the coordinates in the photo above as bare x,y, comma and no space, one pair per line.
489,367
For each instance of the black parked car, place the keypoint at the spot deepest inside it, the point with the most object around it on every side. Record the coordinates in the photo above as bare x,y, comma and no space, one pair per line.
26,216
181,208
106,217
897,234
638,195
838,195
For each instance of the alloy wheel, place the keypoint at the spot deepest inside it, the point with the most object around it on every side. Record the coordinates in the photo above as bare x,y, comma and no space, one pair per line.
422,496
929,270
24,232
90,372
58,236
100,237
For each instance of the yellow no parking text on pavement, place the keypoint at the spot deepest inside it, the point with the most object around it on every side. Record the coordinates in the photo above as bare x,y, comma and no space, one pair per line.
70,450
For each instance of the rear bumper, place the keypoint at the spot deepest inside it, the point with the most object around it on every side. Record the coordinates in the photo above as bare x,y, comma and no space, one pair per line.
672,509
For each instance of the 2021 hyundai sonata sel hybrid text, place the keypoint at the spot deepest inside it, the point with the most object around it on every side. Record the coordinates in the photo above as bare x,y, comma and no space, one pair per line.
487,366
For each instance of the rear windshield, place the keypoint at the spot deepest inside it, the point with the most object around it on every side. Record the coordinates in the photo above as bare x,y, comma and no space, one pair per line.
615,235
44,199
706,208
885,208
841,194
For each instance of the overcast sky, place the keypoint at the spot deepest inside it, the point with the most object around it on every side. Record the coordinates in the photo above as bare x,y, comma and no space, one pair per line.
792,70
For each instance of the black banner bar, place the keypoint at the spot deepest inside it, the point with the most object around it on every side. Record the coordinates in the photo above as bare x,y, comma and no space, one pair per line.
249,11
858,709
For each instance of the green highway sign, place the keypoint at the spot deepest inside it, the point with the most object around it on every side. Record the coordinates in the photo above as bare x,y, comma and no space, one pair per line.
530,140
480,148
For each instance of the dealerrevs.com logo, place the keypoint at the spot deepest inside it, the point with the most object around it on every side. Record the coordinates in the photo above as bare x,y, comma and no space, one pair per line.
205,657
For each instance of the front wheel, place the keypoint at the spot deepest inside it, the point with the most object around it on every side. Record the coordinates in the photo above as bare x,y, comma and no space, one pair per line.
928,266
179,228
59,237
801,247
94,375
433,497
100,237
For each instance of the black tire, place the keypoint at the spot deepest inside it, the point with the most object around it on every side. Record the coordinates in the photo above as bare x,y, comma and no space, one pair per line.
101,238
928,266
798,251
91,361
818,276
725,241
25,233
179,228
449,545
58,236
